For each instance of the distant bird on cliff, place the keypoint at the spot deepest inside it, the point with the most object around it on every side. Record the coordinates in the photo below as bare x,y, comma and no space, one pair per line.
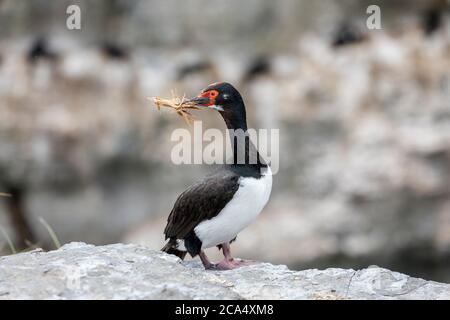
347,34
114,51
212,211
257,67
195,67
433,17
40,50
432,21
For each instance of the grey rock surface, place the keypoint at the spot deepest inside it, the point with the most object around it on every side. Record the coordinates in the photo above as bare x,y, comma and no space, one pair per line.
118,271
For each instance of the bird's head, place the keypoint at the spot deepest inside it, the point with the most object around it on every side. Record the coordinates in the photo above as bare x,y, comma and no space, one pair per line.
223,97
220,96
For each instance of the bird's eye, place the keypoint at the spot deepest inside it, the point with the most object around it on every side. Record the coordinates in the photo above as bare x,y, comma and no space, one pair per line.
213,93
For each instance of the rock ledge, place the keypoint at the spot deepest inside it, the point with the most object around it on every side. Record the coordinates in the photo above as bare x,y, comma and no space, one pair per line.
119,271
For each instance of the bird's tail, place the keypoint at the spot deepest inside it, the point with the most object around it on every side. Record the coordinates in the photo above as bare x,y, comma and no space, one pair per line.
171,248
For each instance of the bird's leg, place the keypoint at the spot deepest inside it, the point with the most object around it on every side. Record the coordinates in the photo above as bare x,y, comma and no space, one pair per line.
206,263
223,265
228,262
226,249
236,263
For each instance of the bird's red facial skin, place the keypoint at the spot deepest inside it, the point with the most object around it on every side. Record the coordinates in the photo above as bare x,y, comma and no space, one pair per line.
211,95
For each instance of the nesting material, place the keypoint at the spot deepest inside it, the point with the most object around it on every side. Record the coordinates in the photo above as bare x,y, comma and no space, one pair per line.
178,104
3,194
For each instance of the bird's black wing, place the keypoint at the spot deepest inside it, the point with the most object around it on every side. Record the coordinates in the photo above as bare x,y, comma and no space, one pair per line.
201,201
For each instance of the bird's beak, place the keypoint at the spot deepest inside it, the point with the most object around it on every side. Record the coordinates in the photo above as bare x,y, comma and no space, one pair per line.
205,102
200,101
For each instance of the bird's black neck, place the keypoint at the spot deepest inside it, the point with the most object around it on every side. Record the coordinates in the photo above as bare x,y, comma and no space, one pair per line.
246,159
235,117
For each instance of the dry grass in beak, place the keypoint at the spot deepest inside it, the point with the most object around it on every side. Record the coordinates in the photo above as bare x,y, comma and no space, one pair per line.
180,105
3,194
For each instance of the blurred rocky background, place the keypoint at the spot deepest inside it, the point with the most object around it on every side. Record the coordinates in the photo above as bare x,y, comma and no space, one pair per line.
364,119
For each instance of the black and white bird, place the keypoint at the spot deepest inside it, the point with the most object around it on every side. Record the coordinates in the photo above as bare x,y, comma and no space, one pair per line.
212,211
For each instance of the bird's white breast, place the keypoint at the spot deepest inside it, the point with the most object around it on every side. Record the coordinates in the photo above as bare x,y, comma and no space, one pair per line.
246,204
